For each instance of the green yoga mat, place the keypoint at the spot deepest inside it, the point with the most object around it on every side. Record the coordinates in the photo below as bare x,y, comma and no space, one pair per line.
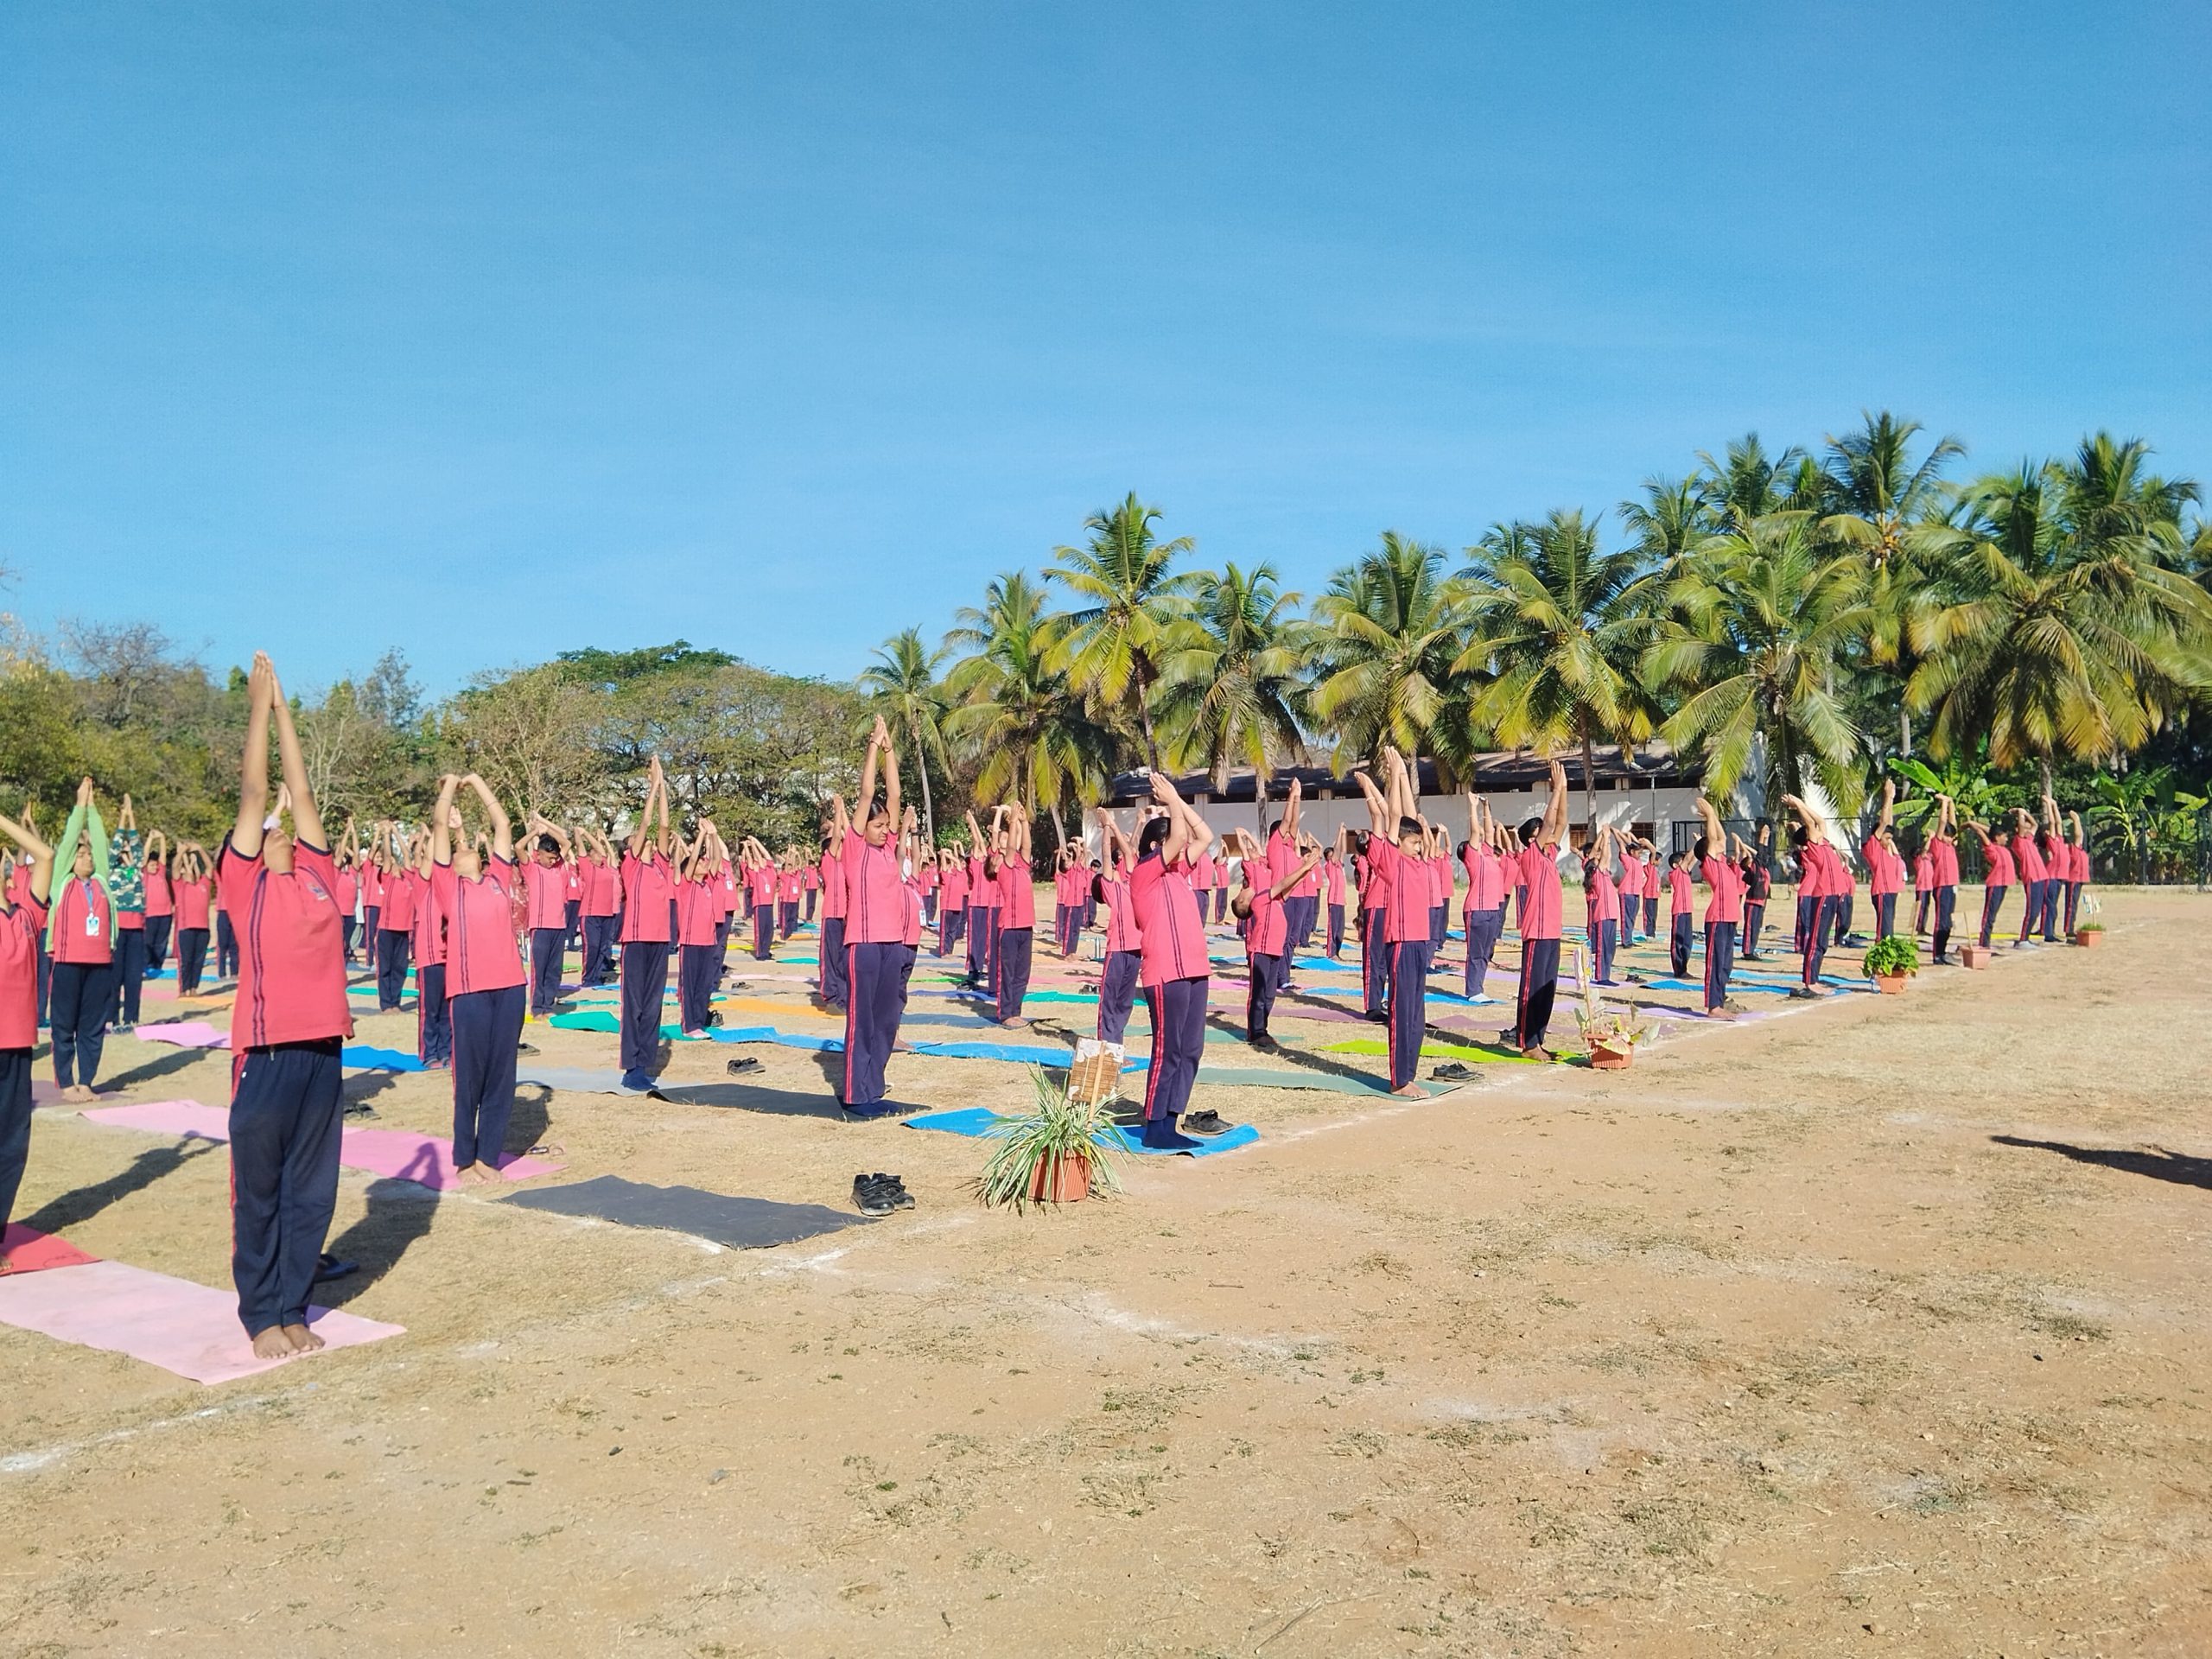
1435,1050
594,1021
1328,1082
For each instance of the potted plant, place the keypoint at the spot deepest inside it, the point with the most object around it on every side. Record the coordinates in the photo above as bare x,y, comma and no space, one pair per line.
1064,1150
1610,1035
1889,962
1975,955
2090,934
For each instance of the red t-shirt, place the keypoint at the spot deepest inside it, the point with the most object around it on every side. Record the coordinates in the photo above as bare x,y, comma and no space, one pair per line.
2029,859
983,891
159,900
481,951
1726,903
697,912
1486,874
192,902
1374,885
788,886
1170,935
1017,898
1651,877
1882,876
911,889
761,886
2002,871
398,914
1540,908
1206,873
810,878
602,884
20,926
1601,896
82,922
646,889
429,946
1121,915
875,894
372,886
1946,855
1406,913
547,895
291,951
955,893
1267,927
1923,871
1680,899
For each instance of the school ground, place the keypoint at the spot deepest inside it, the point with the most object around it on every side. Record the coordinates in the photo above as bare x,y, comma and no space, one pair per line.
1883,1328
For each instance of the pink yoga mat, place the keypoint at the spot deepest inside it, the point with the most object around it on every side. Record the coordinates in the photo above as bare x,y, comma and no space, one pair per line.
422,1158
26,1251
180,1327
186,1033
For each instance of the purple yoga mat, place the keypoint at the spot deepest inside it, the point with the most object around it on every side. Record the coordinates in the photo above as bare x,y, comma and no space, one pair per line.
424,1158
185,1033
189,1328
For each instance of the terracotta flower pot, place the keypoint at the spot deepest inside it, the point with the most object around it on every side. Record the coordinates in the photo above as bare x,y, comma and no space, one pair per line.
1974,956
1605,1057
1889,984
2090,937
1065,1181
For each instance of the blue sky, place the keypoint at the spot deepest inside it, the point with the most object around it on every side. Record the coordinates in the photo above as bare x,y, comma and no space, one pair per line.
488,331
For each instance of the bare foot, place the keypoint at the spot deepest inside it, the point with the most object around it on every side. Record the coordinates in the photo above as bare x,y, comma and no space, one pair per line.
477,1174
304,1340
77,1093
1017,1023
1410,1091
273,1343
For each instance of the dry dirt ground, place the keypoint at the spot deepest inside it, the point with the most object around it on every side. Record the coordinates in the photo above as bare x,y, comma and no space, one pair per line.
1880,1329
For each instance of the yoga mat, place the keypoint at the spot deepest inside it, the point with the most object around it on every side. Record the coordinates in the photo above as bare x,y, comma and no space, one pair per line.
26,1251
1020,1053
781,1039
185,1033
1327,1082
595,1020
422,1158
575,1079
981,1122
364,1058
741,1223
1436,1050
188,1329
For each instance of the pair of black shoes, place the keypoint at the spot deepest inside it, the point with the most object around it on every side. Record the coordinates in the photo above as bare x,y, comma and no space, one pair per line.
879,1194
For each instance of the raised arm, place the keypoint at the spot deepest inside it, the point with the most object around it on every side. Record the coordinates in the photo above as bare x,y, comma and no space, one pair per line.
1889,804
1378,808
441,820
253,772
1716,838
307,820
878,740
1816,827
890,782
1555,809
41,856
502,838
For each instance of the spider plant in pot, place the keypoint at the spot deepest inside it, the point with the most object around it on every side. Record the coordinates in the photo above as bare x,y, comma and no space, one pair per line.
1610,1035
1058,1151
1889,962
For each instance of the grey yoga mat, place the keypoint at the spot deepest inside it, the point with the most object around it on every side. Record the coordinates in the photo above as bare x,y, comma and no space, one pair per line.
741,1223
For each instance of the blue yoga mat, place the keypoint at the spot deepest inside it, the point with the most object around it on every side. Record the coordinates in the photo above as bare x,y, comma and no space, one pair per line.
366,1058
978,1122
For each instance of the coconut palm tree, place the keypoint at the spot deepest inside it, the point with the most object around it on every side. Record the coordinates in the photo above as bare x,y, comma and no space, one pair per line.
1127,599
1383,638
2049,638
1748,484
1230,687
903,686
1555,632
1760,626
1040,742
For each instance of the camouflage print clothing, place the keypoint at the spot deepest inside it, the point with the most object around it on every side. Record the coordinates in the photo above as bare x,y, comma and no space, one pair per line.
126,879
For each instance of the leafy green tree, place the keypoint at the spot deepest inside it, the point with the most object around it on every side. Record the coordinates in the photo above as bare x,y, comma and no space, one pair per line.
1759,626
1038,741
1386,634
902,684
1127,600
1230,688
1556,631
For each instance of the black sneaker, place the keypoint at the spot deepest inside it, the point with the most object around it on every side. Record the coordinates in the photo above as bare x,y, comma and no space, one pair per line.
1452,1071
743,1067
1208,1121
1803,993
895,1186
525,1048
873,1196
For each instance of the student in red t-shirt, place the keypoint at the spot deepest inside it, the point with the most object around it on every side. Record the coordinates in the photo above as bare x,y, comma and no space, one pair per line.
1397,848
952,898
809,883
427,944
1262,905
80,930
1943,853
1333,892
160,903
1822,877
1173,966
1885,864
395,921
1758,884
345,859
648,896
2077,873
288,1027
545,886
600,872
1482,919
1118,977
1017,911
759,869
982,910
791,882
476,896
1538,915
22,914
877,958
830,956
1997,878
1724,909
1601,899
1681,906
698,951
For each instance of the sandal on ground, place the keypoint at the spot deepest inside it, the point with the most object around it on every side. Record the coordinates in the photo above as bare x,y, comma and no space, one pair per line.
745,1067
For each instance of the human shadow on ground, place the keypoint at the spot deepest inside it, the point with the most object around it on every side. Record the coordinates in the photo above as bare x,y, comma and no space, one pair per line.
2157,1162
532,1116
76,1207
161,1066
399,1212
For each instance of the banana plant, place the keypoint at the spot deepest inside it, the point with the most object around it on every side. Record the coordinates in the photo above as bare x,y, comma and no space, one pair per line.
1968,786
